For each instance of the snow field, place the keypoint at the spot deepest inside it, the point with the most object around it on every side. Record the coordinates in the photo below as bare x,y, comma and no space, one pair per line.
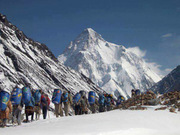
117,122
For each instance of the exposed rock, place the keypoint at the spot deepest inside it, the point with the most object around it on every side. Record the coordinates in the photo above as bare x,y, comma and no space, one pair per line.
27,62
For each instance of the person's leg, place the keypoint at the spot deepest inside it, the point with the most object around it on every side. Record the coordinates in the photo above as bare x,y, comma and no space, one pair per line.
60,110
27,117
100,108
44,112
75,109
36,115
32,116
4,122
39,112
79,110
86,112
93,108
19,118
56,109
66,109
13,116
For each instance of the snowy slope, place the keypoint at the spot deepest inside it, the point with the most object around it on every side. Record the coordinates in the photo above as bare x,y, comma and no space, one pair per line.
24,61
112,67
169,83
126,122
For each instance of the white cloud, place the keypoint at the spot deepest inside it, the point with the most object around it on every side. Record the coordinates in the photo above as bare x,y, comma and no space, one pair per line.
168,70
167,35
154,66
137,51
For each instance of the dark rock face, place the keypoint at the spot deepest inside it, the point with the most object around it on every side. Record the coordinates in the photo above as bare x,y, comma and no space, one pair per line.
169,83
27,62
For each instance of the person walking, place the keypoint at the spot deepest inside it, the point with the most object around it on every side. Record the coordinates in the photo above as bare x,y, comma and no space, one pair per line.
84,105
37,107
101,102
67,101
45,102
77,103
5,109
29,109
16,99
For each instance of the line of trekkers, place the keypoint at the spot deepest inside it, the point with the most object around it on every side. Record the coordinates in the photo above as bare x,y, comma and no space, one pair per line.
11,105
35,101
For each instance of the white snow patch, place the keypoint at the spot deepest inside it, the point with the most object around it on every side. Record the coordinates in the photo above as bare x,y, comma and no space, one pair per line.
118,122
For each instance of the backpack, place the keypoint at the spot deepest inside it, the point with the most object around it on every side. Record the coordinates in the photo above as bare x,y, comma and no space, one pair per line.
26,95
108,101
44,100
65,97
137,92
31,102
56,98
101,99
4,98
76,98
91,97
37,96
16,96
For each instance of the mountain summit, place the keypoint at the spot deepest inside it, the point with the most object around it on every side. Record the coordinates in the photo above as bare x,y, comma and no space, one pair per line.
113,67
27,62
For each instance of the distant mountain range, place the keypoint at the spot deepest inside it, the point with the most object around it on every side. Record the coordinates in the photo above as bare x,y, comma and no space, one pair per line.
112,67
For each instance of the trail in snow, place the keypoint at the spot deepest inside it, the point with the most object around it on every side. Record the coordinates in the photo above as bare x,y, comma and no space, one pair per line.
118,122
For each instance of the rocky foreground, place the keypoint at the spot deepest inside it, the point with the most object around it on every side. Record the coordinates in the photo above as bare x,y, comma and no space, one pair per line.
170,100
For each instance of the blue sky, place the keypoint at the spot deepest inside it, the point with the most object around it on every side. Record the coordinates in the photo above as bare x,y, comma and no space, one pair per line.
152,25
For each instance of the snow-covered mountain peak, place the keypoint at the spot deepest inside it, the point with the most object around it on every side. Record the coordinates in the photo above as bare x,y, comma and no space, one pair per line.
89,30
24,61
88,35
112,67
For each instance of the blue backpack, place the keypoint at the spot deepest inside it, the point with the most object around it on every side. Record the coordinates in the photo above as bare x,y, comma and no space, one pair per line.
37,96
91,97
4,98
101,99
16,96
65,97
31,103
26,95
56,96
76,98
